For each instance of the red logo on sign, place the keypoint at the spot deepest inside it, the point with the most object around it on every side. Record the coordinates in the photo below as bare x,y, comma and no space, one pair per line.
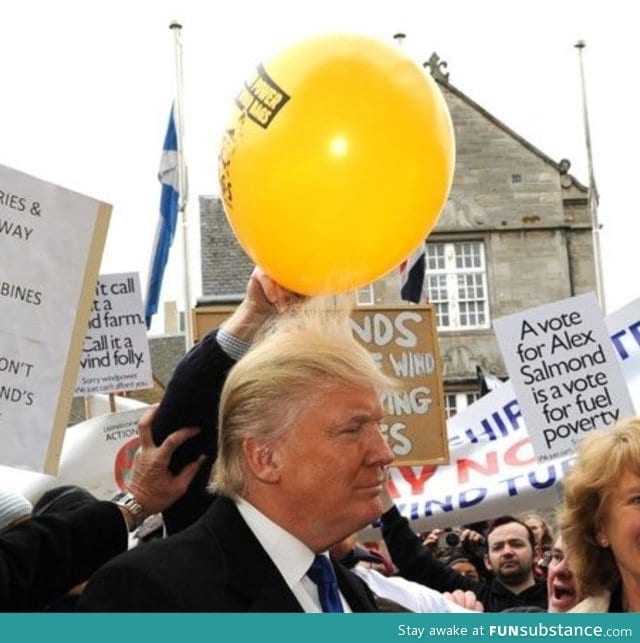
123,463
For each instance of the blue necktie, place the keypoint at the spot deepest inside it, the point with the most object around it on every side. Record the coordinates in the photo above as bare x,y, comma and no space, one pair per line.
323,575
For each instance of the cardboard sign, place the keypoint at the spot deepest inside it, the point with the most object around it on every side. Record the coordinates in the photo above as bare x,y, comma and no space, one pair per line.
51,242
565,372
206,318
115,355
403,341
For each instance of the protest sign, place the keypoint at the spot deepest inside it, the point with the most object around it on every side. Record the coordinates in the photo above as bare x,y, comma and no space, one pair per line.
565,372
115,354
404,343
51,242
98,453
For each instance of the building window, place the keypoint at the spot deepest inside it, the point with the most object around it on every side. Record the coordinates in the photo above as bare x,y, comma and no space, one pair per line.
457,284
456,402
364,296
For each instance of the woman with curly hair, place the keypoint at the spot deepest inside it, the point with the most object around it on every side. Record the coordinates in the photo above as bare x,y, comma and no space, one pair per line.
600,519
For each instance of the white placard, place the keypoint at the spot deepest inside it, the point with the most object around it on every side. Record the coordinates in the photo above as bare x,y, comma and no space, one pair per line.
98,453
115,355
564,371
51,242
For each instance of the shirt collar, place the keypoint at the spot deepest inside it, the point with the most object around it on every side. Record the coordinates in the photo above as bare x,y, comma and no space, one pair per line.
290,555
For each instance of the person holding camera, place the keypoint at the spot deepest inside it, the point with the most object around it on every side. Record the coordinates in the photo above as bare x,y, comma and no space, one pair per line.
461,548
510,555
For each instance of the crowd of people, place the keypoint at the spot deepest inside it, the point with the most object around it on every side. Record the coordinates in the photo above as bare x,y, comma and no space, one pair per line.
262,499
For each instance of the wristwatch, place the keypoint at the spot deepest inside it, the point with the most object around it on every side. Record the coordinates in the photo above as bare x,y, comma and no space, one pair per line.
132,507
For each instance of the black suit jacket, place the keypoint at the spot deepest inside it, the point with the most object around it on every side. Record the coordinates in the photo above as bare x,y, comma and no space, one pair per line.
44,557
215,565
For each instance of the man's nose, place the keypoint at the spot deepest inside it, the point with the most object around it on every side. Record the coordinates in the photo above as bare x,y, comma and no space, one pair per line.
380,452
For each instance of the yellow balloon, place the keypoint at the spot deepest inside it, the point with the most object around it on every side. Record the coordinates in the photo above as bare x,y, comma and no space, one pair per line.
336,162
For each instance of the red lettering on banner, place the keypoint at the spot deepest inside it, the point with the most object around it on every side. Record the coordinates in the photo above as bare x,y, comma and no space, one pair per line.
417,482
513,457
465,465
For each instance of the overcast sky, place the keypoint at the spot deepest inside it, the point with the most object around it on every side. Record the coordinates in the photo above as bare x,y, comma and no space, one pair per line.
87,87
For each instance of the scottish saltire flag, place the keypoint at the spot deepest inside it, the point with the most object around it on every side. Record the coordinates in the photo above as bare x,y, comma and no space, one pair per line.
412,276
169,196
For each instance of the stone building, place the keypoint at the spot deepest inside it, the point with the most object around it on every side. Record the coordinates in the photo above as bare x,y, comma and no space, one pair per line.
515,233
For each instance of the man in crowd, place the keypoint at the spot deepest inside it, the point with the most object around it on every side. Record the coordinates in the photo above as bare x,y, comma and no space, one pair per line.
300,465
511,553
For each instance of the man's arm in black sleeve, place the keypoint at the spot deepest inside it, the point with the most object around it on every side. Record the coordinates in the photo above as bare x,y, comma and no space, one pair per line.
46,556
193,394
192,399
417,562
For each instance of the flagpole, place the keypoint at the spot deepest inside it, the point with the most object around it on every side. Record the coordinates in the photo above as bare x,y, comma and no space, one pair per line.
176,28
593,197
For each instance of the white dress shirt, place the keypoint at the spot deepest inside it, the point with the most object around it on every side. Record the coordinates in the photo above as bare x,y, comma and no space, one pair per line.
413,596
291,556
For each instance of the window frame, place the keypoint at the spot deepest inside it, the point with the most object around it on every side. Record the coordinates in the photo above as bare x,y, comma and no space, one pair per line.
451,287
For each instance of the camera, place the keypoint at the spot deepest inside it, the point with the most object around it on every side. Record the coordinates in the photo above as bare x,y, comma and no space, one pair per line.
448,539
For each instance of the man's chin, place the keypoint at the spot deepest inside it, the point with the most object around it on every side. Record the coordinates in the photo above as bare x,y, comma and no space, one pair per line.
371,512
511,576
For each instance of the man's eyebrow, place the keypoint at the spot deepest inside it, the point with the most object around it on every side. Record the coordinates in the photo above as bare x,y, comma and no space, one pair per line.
360,417
516,539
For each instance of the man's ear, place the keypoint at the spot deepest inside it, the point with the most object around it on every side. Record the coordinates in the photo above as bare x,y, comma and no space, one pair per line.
487,563
262,459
